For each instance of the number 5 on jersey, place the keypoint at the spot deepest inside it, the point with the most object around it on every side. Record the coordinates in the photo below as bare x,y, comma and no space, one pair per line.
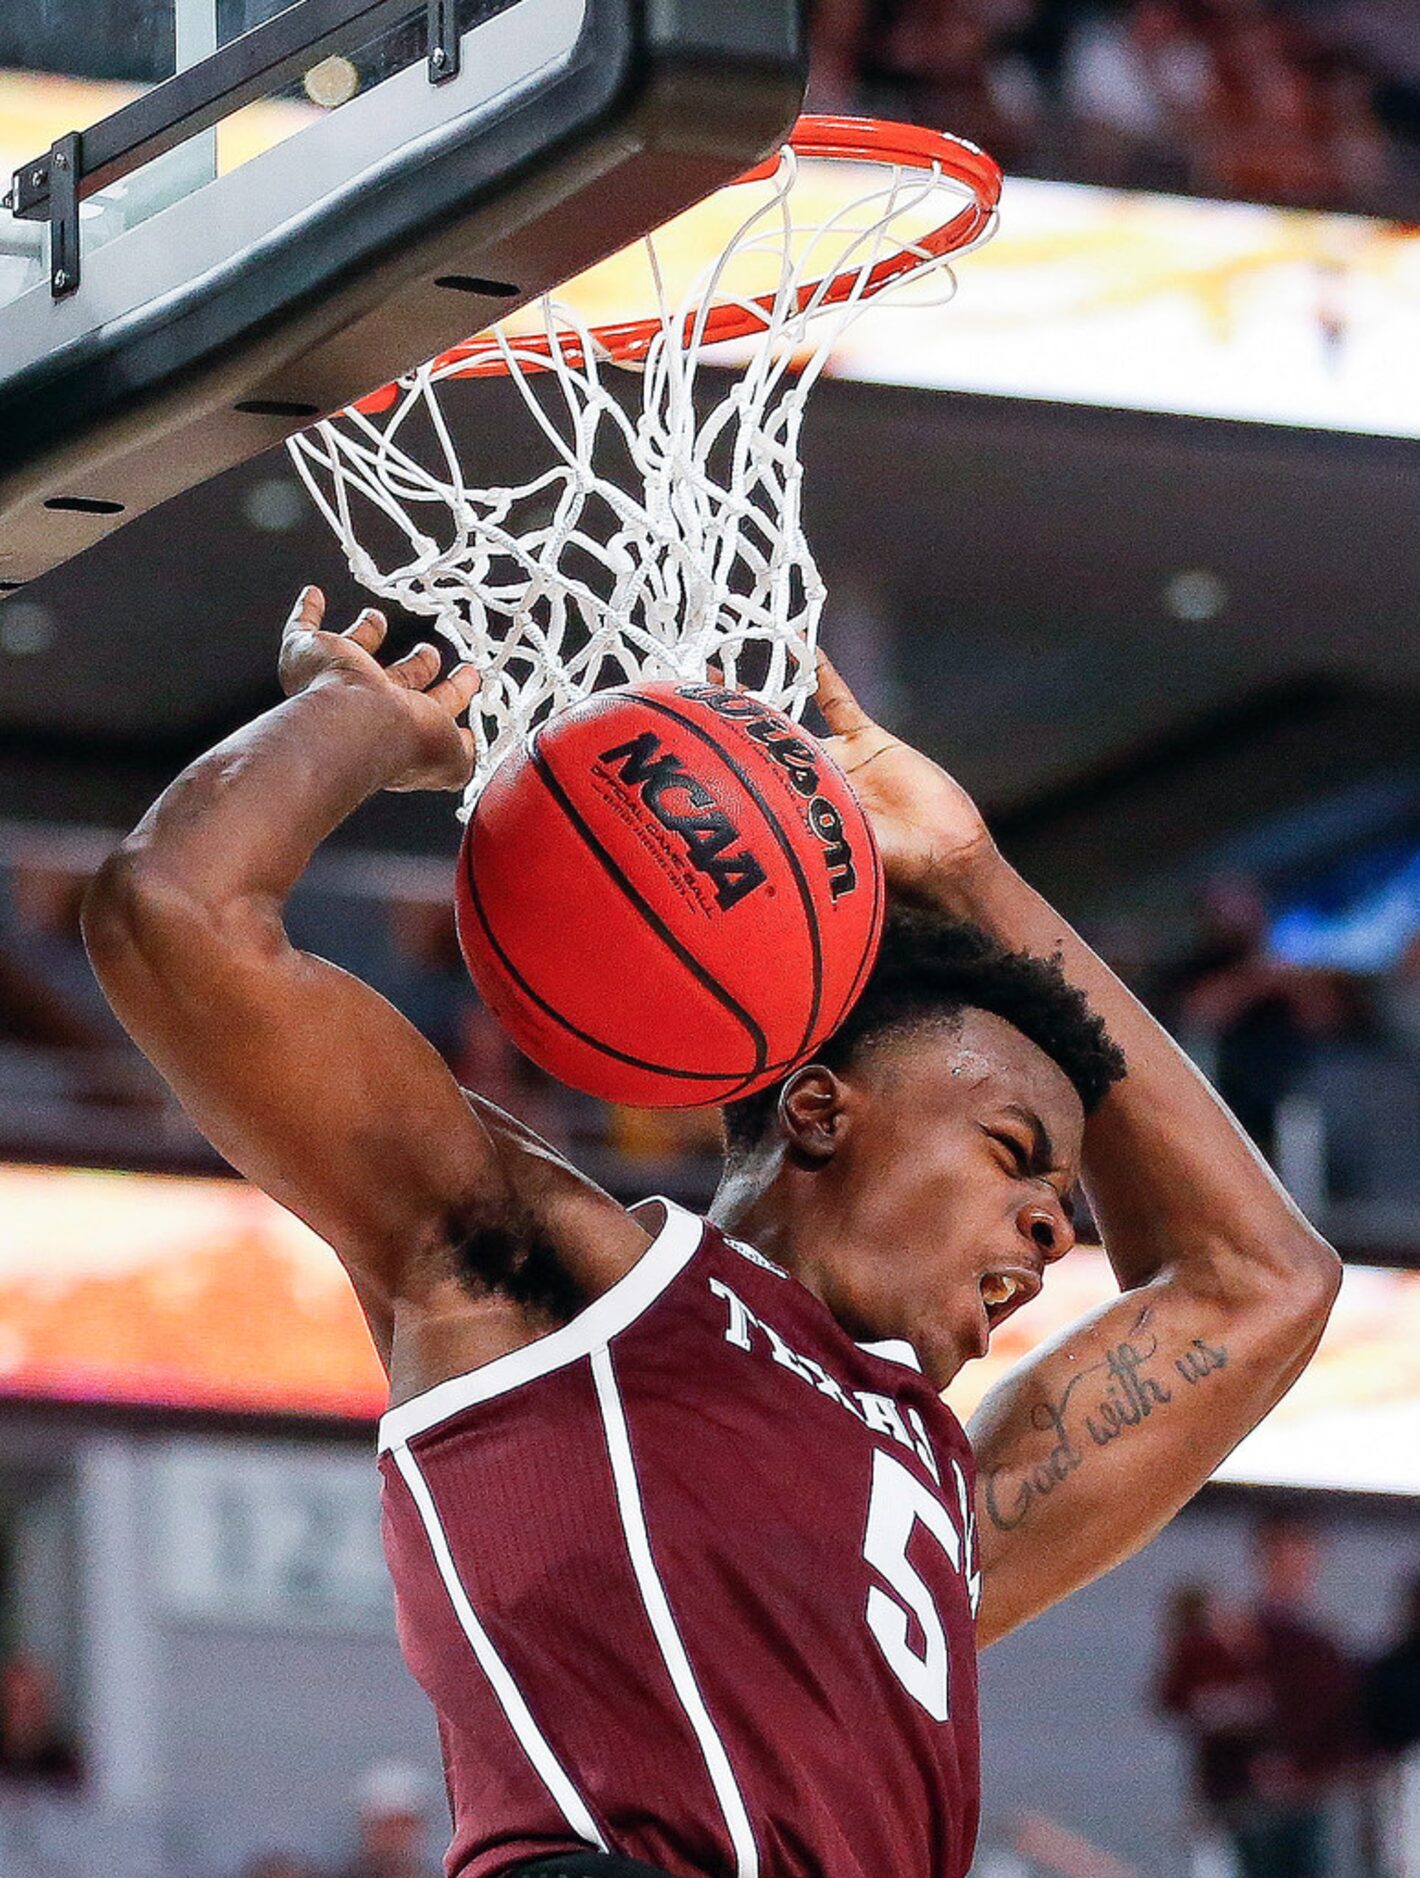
896,1503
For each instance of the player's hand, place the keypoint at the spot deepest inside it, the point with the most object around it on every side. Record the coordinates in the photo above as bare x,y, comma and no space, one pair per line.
926,824
424,706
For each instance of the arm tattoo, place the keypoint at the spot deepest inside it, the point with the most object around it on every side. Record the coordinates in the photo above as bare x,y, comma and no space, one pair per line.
1200,1360
1122,1396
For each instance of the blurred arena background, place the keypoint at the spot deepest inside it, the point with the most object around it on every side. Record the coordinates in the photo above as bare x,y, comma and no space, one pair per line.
1126,536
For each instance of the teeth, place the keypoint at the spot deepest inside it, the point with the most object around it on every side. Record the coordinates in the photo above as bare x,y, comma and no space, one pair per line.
998,1289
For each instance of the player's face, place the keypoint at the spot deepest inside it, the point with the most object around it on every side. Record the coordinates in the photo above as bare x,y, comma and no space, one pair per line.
959,1163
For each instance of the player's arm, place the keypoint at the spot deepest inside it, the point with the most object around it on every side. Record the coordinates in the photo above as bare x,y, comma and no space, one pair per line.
1085,1450
304,1078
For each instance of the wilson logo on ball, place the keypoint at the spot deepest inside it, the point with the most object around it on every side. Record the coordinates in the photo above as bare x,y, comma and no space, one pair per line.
827,824
658,775
799,760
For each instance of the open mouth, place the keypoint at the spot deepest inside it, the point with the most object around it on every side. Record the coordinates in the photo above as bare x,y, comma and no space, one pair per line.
1004,1292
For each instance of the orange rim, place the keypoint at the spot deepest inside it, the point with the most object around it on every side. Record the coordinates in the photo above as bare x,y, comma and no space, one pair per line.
835,139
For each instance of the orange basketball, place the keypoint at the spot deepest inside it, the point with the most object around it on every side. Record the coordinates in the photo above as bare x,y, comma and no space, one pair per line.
671,896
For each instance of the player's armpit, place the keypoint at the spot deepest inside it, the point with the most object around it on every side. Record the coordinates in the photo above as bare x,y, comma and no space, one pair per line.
1093,1443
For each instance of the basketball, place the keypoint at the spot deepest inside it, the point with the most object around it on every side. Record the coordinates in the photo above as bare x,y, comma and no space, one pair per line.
669,896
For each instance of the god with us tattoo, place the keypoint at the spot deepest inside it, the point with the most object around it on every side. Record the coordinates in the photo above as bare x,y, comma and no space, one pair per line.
1106,1402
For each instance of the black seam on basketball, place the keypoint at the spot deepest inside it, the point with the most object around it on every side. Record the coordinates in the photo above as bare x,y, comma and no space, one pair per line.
653,919
582,1036
786,846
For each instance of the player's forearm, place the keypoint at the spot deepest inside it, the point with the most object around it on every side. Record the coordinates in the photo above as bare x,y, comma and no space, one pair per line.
242,822
1089,1446
1173,1180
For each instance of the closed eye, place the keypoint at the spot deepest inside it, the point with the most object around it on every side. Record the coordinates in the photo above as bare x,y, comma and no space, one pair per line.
1019,1153
1023,1165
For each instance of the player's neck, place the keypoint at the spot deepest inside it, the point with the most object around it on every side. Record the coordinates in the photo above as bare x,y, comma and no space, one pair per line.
766,1204
750,1203
805,1222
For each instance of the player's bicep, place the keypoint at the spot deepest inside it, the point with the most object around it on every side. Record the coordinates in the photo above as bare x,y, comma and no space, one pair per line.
305,1079
1092,1444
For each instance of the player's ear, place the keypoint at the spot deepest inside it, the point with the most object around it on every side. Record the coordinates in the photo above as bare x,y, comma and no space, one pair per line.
812,1112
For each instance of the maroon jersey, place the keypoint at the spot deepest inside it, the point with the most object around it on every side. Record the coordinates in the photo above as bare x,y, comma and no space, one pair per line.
693,1579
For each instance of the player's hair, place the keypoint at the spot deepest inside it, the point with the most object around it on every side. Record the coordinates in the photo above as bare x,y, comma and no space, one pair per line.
930,970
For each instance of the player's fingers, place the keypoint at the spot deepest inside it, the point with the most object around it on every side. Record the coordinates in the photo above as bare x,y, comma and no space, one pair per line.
841,710
308,612
416,669
369,630
456,692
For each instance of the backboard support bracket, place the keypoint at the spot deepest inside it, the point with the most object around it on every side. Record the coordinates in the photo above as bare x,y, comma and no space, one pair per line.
51,183
445,44
65,259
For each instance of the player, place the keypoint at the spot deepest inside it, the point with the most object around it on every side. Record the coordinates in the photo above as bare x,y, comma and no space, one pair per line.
694,1579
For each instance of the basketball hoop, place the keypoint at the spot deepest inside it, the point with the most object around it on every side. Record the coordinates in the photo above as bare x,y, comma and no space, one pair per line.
664,535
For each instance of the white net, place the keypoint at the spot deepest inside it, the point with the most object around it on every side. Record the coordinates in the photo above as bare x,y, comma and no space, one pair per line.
664,534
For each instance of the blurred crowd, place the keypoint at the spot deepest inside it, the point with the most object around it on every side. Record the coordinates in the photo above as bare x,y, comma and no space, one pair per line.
72,1087
1322,1066
392,1833
1303,1754
1296,1744
1257,99
395,1812
35,1745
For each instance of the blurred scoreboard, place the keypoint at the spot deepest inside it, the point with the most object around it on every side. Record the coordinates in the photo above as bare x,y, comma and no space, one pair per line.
141,1288
1163,303
1101,297
159,1292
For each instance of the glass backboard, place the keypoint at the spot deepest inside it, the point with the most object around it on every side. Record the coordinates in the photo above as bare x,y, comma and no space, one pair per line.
65,65
267,210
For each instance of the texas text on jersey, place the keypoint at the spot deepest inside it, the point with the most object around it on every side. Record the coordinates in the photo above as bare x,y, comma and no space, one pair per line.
693,1579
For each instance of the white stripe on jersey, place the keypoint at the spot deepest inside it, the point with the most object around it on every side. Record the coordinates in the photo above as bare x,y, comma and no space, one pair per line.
663,1624
510,1698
